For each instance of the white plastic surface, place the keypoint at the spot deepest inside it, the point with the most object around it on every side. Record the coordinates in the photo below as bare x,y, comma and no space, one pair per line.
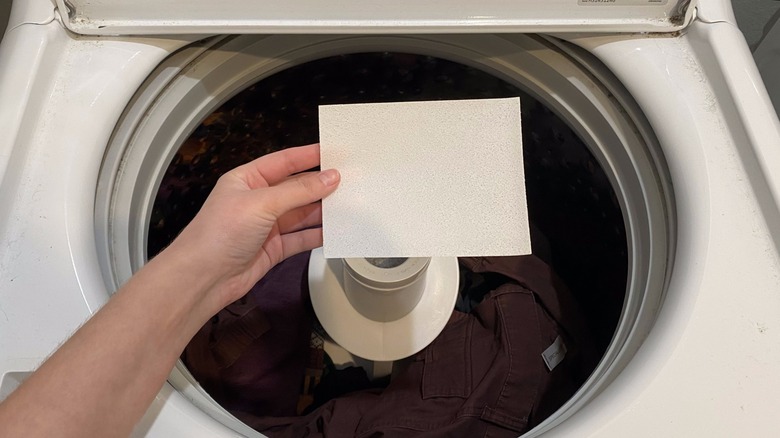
715,11
425,179
708,368
30,12
382,341
121,17
384,294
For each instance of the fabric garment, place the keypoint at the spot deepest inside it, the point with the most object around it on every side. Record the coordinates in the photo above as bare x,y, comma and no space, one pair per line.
484,375
315,367
473,287
338,382
252,356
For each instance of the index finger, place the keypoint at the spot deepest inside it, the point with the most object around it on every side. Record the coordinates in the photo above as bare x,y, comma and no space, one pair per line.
275,167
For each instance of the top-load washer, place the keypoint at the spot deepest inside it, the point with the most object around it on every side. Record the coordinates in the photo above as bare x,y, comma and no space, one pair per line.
97,97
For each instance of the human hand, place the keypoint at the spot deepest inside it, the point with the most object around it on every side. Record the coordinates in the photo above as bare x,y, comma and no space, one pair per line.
258,214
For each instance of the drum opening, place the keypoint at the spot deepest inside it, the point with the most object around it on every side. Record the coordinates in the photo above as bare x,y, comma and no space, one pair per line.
578,227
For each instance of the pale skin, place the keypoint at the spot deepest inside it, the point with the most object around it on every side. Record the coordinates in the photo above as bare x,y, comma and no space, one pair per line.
101,381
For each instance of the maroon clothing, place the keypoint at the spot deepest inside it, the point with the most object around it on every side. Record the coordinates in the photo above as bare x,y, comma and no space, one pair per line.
252,355
484,375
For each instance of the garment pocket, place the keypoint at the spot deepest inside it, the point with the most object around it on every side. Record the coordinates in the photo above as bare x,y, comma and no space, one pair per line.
519,316
447,366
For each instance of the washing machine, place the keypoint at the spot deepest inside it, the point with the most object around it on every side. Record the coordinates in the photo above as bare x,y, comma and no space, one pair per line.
653,125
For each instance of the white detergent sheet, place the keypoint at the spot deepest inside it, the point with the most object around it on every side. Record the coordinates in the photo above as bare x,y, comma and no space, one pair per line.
425,179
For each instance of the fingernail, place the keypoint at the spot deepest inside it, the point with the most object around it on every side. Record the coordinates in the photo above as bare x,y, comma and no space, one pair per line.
329,177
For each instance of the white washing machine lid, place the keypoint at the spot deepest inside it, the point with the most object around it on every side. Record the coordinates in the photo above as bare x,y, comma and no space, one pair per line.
122,17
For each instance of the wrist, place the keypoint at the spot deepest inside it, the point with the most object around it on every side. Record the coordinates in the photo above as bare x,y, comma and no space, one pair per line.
185,281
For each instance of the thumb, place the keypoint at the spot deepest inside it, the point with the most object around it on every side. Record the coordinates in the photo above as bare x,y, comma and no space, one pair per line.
303,190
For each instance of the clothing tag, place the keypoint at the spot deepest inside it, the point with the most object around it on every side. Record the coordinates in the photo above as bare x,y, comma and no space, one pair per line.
554,354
